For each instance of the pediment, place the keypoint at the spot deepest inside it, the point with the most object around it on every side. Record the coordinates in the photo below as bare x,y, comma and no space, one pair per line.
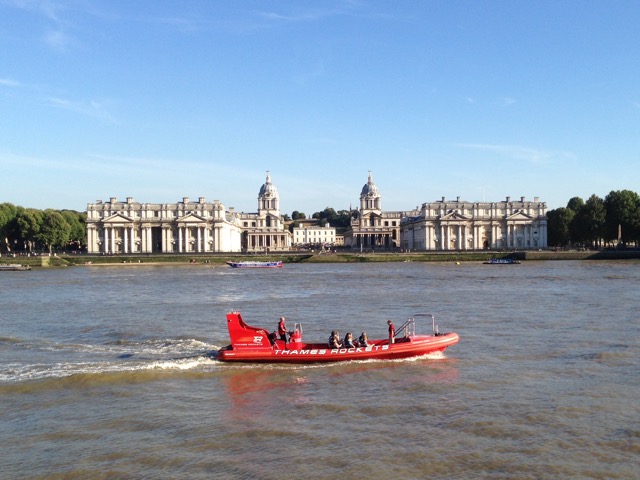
117,218
192,219
519,216
454,216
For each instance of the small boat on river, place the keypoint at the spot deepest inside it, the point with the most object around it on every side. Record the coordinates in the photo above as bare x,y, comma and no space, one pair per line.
256,264
14,267
254,344
502,261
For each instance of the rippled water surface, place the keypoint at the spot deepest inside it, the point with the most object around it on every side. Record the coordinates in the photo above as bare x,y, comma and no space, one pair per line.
110,372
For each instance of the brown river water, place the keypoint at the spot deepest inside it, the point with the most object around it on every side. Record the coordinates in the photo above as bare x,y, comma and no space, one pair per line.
110,372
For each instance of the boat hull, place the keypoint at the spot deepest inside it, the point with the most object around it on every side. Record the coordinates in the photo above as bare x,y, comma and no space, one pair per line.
14,268
256,345
255,264
319,353
502,261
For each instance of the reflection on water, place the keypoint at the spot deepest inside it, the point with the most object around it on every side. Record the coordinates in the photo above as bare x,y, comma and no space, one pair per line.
112,370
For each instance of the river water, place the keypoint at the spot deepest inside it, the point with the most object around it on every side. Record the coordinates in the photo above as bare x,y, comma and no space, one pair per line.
110,372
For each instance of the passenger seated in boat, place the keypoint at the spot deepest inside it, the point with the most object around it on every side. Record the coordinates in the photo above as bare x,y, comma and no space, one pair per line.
363,340
334,340
348,341
272,338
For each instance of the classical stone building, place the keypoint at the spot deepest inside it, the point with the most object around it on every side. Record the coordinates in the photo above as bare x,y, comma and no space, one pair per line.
309,234
373,228
460,225
265,231
116,227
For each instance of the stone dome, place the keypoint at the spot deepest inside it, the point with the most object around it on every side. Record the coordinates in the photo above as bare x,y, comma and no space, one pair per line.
267,189
370,189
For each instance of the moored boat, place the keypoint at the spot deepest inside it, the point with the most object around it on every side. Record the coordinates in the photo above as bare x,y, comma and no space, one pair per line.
15,267
253,344
256,264
502,261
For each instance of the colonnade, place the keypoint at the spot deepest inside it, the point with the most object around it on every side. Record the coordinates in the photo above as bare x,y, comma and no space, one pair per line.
125,239
372,240
196,242
263,241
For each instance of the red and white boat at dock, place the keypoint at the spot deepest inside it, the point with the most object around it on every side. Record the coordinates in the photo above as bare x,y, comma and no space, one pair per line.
252,344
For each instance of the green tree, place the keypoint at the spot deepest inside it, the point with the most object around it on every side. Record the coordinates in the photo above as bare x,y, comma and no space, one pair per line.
623,215
339,219
577,229
328,215
575,204
77,222
8,213
558,222
591,220
343,219
55,231
296,215
29,222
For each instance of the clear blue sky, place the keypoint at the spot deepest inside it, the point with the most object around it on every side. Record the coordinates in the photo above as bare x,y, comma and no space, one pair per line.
163,99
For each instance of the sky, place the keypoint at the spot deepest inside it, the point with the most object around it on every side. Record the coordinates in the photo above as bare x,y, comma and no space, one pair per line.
160,100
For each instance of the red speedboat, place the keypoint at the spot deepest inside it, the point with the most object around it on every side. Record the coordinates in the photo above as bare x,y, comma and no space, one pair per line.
253,344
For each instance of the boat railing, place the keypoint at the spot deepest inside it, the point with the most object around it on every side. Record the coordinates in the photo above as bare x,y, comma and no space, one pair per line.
408,328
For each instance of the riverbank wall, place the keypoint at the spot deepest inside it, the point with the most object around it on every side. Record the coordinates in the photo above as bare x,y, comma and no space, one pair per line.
306,257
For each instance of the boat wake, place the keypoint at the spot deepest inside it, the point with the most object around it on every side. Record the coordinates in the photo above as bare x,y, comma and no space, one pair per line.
49,360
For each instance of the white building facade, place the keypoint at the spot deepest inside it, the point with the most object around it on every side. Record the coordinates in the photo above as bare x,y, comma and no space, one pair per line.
265,231
458,225
131,227
314,235
373,228
116,227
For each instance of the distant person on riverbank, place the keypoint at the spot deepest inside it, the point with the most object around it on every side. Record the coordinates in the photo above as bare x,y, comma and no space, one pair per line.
392,332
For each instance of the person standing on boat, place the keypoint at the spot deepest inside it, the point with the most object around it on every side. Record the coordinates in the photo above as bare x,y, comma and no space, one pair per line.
282,330
392,332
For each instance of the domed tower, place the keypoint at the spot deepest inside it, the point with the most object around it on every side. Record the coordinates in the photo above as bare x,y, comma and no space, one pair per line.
370,199
268,199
